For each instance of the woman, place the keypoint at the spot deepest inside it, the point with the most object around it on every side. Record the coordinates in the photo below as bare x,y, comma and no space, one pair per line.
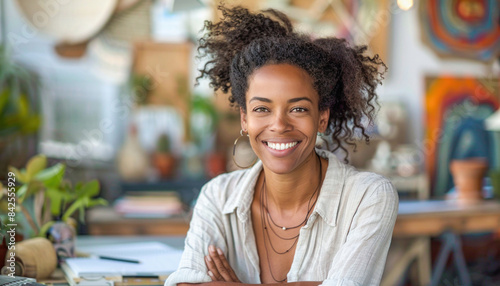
299,214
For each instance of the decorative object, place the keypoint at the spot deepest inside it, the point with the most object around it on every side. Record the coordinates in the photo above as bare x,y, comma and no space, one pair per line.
34,257
69,22
133,162
468,175
163,160
455,110
63,237
462,28
44,195
244,157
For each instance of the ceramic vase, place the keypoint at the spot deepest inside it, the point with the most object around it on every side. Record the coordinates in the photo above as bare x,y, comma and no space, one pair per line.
133,161
468,175
63,238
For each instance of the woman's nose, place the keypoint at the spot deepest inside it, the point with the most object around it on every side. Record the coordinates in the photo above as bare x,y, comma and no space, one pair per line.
280,122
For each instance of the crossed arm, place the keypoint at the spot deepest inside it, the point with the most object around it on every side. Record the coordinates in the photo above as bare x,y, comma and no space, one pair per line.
222,274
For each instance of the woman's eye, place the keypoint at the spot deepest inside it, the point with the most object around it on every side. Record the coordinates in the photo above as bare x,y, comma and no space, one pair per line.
260,109
299,109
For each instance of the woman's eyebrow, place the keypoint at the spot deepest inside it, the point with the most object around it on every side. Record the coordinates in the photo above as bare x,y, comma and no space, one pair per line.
292,100
259,99
297,99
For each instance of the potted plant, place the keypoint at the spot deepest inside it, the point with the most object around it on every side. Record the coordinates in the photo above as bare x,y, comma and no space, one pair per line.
48,201
204,120
163,159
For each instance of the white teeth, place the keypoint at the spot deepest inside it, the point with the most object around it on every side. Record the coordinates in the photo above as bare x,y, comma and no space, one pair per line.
281,146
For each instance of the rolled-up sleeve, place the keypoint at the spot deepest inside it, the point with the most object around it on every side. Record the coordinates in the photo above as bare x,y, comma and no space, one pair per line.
361,259
205,228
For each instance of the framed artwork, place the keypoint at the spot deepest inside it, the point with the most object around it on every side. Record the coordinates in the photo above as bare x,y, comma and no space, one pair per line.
455,110
462,28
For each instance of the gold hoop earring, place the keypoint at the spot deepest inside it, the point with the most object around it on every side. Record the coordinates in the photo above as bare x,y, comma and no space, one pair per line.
234,151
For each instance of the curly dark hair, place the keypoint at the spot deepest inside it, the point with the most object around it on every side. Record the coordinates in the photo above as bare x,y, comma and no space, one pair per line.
343,76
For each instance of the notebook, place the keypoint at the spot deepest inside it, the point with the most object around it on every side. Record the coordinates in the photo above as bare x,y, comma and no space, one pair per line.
156,259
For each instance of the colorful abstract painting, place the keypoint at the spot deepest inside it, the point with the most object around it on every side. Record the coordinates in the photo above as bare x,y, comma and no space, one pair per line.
455,112
462,28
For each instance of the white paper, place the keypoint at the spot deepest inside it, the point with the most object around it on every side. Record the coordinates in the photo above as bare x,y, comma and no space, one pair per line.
155,259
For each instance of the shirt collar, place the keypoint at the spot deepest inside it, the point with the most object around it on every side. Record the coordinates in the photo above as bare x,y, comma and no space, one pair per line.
242,196
328,202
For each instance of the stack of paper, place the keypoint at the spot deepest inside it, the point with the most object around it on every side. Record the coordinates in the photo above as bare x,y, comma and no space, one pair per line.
156,260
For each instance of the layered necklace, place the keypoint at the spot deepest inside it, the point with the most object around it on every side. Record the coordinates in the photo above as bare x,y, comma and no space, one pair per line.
267,220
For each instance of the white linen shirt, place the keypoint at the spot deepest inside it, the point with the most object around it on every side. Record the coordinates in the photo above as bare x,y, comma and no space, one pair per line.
344,242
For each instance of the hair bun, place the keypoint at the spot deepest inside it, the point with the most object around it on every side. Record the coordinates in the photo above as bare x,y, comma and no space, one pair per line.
237,28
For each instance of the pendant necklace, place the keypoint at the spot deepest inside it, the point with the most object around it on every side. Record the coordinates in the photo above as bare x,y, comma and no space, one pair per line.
266,219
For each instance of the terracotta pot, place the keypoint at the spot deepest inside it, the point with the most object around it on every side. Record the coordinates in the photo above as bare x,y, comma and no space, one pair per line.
165,163
468,175
215,164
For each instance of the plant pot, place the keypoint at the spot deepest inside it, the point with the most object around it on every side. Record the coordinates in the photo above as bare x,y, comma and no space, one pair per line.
468,175
34,257
215,164
4,247
165,164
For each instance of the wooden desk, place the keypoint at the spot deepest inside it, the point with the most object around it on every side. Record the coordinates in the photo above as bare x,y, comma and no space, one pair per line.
432,218
422,219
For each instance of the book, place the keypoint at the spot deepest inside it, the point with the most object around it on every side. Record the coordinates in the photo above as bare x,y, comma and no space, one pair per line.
154,206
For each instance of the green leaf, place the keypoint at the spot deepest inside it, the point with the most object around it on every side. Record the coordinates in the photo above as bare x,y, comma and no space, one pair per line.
96,202
21,192
57,198
4,98
20,176
35,165
75,206
33,188
31,124
45,228
23,106
52,176
89,189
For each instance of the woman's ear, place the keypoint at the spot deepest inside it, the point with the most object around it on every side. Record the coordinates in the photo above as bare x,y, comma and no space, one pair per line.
243,119
324,116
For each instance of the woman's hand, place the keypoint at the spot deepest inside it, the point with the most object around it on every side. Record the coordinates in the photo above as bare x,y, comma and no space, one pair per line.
218,267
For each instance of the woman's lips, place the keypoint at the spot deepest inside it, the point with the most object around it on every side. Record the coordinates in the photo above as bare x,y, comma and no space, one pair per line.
281,148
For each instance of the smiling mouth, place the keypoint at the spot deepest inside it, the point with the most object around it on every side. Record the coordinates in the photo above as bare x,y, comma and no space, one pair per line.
281,146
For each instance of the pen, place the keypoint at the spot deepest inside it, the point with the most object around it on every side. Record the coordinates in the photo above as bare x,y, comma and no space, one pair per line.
118,259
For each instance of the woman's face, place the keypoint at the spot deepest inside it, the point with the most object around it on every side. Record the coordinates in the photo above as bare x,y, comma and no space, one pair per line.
282,116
